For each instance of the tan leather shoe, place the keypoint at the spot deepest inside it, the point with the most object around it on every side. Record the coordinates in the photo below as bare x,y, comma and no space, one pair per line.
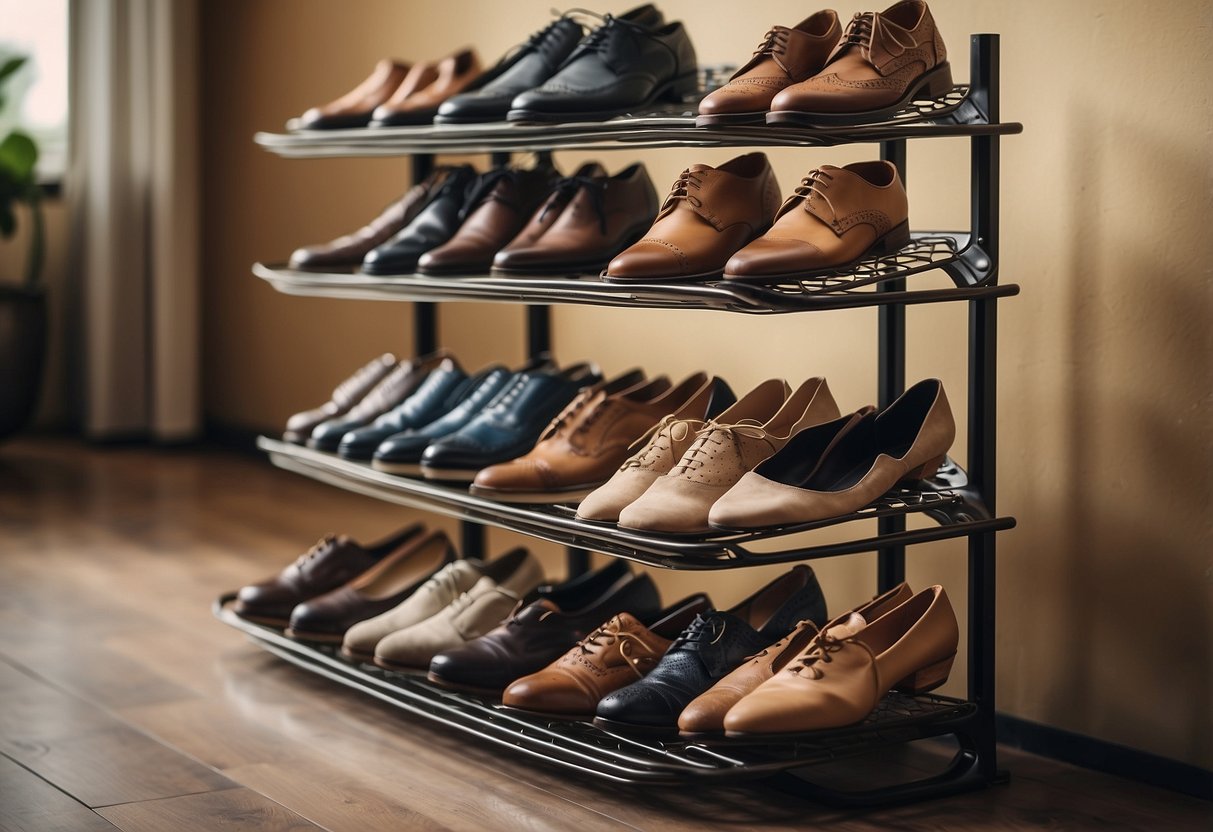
704,716
679,502
546,215
616,654
436,594
354,109
416,102
709,214
505,582
660,450
581,451
818,476
835,218
840,679
885,60
785,57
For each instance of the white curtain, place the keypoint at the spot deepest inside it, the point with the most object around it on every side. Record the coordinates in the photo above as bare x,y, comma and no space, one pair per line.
132,190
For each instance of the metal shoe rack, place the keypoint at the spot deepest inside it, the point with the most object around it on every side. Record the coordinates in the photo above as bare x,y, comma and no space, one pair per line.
935,267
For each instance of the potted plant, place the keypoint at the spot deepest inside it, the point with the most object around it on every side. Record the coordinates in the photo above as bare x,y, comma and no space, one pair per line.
22,303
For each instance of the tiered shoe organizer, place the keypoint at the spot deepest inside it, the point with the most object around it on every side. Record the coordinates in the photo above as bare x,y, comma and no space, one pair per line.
964,268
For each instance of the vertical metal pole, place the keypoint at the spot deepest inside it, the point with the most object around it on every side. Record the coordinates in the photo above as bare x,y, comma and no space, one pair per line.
891,382
425,315
538,330
983,391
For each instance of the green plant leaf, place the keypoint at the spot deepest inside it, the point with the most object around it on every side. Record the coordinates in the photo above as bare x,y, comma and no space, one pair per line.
10,66
18,155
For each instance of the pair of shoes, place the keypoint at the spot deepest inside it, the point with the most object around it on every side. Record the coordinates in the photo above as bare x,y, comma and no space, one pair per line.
727,221
626,62
671,484
396,94
817,74
841,466
339,582
591,437
840,676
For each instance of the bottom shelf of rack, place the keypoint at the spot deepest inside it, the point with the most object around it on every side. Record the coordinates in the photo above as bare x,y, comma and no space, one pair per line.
670,760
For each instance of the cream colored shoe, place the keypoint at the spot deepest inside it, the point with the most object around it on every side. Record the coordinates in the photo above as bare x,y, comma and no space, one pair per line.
723,451
505,582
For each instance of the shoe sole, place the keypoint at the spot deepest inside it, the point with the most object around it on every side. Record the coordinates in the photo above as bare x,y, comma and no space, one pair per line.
671,278
314,638
411,469
936,83
758,118
676,90
492,693
449,474
542,497
893,241
395,667
356,658
474,270
583,269
276,623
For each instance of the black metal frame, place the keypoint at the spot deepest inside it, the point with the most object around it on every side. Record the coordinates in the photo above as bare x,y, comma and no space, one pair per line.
963,504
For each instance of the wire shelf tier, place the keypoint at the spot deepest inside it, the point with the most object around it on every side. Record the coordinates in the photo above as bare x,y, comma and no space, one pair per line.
945,499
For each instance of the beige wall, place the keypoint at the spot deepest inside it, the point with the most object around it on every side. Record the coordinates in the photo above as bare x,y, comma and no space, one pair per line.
1104,589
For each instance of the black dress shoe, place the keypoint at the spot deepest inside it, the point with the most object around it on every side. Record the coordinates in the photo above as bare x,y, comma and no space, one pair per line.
441,390
713,645
436,223
509,426
621,67
528,67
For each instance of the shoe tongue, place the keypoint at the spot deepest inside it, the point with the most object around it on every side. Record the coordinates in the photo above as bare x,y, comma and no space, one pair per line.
851,625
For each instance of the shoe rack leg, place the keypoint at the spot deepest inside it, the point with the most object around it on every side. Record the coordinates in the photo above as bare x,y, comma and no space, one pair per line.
425,315
891,382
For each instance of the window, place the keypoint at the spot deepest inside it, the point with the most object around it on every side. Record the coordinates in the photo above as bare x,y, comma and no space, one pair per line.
36,97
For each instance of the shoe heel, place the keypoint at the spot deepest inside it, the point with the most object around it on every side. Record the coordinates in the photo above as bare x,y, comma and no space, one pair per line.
938,82
925,471
893,242
682,88
928,678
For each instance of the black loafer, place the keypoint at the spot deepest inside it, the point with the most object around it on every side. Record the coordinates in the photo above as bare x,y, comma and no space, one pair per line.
710,648
621,67
436,223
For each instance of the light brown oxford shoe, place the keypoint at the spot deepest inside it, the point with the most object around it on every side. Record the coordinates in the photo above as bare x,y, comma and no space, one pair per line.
835,218
785,57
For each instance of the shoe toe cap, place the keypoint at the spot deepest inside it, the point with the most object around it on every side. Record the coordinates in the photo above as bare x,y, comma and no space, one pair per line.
775,256
650,259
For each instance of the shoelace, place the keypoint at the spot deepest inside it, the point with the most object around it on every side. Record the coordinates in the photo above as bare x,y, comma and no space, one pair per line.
485,189
715,433
358,379
681,190
816,184
680,429
564,417
568,187
321,545
779,645
504,399
610,634
775,44
820,651
863,31
701,631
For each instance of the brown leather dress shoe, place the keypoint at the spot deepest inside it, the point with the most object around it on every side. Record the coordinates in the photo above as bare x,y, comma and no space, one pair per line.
499,206
348,393
395,577
549,211
704,716
885,60
838,680
602,216
835,218
354,109
587,444
346,252
332,562
708,215
785,57
616,654
417,99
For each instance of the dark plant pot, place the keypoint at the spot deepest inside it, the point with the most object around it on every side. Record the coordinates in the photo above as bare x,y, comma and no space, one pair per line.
22,352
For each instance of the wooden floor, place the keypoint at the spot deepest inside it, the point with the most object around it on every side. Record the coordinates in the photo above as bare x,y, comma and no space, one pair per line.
123,704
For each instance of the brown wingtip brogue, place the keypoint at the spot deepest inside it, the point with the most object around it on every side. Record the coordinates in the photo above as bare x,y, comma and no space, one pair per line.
884,61
835,218
786,56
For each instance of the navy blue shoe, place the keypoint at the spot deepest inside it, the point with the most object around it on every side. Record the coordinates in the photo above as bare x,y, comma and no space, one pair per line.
510,425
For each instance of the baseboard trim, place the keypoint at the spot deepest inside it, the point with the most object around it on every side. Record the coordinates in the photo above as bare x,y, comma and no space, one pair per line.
1108,757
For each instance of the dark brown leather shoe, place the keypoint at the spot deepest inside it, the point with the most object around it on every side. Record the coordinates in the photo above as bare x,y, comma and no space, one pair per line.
708,215
541,631
785,57
346,252
391,580
354,109
616,654
394,388
500,205
884,61
332,562
417,103
348,393
602,216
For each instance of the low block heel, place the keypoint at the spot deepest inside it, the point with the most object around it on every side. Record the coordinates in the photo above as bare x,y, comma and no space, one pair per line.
938,82
928,678
925,471
893,242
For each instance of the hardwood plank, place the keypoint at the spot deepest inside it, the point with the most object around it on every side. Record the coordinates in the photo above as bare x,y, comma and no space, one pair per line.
231,809
30,804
